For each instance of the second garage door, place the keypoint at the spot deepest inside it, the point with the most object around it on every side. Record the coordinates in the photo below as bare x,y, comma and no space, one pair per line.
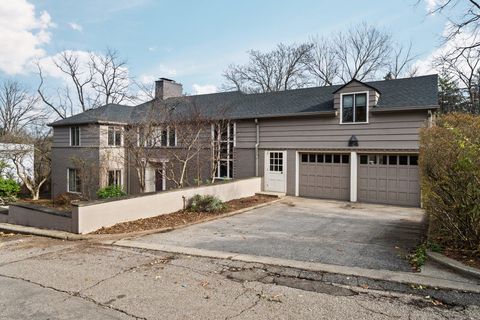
389,179
324,176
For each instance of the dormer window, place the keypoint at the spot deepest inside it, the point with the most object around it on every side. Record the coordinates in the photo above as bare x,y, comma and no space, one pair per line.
354,108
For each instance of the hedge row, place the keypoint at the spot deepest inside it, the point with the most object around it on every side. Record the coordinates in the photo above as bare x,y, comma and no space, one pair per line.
450,170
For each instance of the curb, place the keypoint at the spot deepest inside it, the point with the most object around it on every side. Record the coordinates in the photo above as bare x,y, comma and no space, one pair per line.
453,264
393,280
63,235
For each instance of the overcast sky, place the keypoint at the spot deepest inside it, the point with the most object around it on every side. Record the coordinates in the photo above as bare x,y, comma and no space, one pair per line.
193,41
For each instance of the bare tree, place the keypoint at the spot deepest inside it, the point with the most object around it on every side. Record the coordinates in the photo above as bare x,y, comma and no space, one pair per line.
323,64
31,158
93,81
362,51
192,134
110,78
280,69
400,63
18,108
465,68
467,22
141,141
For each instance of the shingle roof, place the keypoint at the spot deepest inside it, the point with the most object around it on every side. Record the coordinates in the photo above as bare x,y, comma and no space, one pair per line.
109,113
417,92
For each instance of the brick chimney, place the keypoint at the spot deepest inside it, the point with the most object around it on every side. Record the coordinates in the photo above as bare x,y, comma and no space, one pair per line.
167,88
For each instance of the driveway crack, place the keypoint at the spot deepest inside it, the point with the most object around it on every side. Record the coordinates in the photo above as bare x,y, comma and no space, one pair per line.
76,294
250,307
375,311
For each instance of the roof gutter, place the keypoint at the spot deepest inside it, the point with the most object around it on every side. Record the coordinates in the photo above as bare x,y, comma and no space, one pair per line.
397,109
287,115
100,122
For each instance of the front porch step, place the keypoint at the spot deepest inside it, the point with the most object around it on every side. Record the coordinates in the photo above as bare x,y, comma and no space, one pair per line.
270,194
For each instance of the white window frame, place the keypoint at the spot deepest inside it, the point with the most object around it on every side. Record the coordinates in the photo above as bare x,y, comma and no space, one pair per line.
229,152
116,129
120,177
79,136
367,103
159,138
68,180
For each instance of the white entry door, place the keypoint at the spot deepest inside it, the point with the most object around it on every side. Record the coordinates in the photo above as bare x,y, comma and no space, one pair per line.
275,171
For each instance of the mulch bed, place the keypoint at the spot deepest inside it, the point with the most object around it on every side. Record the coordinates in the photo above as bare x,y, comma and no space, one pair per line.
181,217
48,203
468,258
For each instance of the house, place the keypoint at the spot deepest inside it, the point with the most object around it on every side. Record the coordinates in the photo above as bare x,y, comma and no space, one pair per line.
355,142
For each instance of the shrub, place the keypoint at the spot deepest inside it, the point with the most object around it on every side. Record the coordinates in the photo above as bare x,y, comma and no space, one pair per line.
9,188
450,170
110,192
206,203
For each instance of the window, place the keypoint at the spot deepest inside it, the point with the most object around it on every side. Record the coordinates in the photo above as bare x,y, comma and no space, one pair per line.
223,141
161,137
363,159
74,136
414,160
114,136
172,137
354,108
115,178
276,161
73,180
392,160
403,160
164,138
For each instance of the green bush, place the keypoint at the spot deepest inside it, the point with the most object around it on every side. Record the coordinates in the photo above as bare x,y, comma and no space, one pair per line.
207,203
9,188
450,170
110,192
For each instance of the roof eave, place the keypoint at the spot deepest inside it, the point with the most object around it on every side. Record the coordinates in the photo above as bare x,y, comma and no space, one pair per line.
398,109
362,83
99,122
285,115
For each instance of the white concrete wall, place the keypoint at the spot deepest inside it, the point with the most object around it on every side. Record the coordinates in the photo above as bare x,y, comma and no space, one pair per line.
88,217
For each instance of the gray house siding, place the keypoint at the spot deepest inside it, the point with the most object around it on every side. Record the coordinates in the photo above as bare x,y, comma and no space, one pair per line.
89,136
244,163
384,131
63,158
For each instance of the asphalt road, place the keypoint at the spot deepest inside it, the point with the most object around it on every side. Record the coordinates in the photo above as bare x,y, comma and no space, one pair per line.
51,279
366,236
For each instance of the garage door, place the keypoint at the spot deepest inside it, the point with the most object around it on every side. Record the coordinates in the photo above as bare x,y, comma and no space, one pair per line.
324,176
389,179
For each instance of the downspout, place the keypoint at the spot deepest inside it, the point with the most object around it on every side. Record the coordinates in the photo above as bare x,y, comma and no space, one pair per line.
257,144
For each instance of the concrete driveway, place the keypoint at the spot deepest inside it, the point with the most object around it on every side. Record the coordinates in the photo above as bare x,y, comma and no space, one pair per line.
332,232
